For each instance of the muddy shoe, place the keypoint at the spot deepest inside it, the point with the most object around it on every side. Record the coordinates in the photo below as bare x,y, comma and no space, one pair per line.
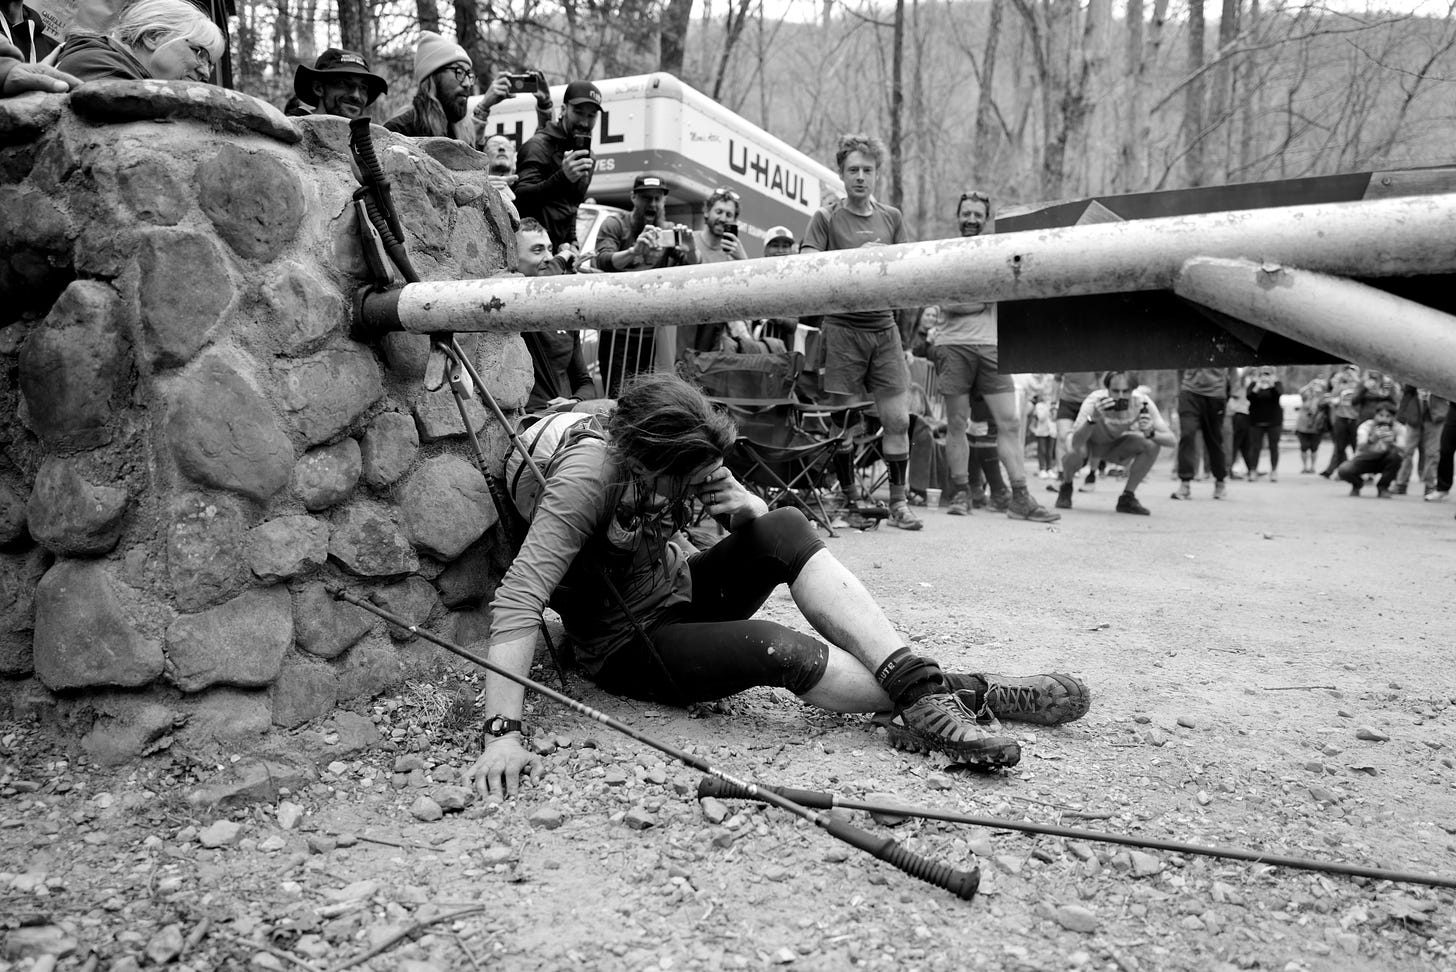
1022,507
1000,500
960,503
903,517
1047,700
941,723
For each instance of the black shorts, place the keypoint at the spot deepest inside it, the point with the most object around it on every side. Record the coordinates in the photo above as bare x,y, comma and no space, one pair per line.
712,648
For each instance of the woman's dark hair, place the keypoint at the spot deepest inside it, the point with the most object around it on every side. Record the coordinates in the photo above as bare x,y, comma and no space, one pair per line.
666,426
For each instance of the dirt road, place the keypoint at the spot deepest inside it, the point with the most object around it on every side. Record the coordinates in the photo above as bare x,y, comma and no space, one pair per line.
1238,651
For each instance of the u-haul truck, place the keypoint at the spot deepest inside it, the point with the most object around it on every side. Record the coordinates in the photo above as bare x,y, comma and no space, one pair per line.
657,124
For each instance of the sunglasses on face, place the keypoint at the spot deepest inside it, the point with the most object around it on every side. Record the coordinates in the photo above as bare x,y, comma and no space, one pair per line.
724,194
979,197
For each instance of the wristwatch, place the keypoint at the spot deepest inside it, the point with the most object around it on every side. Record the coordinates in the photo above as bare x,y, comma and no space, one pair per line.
497,726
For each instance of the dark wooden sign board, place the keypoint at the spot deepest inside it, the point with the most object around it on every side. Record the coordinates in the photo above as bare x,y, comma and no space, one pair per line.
1158,329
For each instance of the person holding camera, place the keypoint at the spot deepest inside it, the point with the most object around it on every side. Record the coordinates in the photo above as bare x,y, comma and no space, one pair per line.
716,242
643,239
561,379
507,85
1266,420
1120,424
1376,453
554,167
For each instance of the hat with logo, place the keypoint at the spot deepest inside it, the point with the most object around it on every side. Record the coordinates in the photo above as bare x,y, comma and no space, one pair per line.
778,233
333,63
583,93
435,52
647,183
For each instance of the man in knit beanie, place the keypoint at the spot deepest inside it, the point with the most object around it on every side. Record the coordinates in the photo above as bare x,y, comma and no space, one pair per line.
444,80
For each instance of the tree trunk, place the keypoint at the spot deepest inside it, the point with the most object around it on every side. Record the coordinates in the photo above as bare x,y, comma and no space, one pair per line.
733,25
983,140
1129,176
1193,153
672,37
354,26
304,30
283,56
1221,99
429,13
468,33
897,108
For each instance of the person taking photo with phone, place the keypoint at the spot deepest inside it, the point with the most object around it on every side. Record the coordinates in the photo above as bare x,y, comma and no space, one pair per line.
1122,425
716,242
554,167
644,239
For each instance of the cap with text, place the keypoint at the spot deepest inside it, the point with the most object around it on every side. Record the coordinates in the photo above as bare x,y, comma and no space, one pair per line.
649,183
583,93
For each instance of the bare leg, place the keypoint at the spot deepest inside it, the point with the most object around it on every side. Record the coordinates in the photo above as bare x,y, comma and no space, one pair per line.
834,601
894,409
957,446
1010,445
847,686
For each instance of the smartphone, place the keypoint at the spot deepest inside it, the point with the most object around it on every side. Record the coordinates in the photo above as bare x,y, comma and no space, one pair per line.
730,228
679,236
523,83
581,142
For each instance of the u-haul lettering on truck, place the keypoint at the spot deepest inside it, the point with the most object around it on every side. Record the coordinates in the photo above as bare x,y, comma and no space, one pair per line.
767,172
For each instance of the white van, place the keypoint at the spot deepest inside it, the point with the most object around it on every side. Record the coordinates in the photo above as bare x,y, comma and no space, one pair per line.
654,123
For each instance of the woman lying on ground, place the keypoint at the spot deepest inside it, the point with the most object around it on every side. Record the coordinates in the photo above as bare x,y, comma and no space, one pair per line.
165,40
657,623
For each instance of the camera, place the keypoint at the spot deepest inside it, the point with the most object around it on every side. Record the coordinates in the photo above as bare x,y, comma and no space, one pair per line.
730,228
581,142
1120,404
679,236
523,83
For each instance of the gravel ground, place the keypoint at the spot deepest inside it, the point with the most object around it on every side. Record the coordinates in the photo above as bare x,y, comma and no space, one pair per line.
1269,672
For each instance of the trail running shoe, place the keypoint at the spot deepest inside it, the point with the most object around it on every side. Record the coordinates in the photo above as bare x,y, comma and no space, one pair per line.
903,517
1000,500
960,503
942,723
1128,503
1064,497
1184,491
1022,507
1047,700
1219,490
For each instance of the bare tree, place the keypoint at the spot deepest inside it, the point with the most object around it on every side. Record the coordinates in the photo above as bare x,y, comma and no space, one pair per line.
1193,98
673,35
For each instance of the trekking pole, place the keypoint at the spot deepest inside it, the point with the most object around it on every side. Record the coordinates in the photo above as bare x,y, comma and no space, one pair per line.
962,884
721,789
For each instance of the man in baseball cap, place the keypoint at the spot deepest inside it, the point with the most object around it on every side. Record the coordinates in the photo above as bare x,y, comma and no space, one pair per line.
554,166
778,241
339,83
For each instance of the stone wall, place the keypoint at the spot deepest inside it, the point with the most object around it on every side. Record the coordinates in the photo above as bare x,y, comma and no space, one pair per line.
193,444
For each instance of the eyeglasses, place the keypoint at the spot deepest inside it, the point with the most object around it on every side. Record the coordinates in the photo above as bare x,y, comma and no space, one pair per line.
462,74
203,55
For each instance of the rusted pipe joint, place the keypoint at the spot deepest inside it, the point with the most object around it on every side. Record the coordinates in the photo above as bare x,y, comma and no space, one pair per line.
376,313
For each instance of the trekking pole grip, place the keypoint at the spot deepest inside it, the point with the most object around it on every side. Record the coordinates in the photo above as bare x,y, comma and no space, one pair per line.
713,786
962,884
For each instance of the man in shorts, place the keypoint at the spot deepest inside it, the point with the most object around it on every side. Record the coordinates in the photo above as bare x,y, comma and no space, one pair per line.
966,362
1122,425
863,352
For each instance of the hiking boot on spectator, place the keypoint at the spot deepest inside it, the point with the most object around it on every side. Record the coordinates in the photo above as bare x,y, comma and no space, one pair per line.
1128,503
942,723
1219,490
1001,500
1089,485
1184,491
1064,497
978,499
1435,496
960,503
903,517
1020,506
1047,700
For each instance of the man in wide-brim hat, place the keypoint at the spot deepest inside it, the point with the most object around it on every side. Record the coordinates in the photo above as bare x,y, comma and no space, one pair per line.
339,83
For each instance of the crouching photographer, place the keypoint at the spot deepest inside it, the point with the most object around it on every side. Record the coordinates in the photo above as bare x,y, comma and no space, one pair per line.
1376,453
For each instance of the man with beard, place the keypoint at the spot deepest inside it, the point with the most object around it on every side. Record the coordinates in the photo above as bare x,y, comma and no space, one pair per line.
967,363
444,80
553,174
640,240
339,83
716,242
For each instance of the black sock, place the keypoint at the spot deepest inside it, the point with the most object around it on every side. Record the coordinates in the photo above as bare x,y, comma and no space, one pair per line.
990,462
844,469
907,677
899,466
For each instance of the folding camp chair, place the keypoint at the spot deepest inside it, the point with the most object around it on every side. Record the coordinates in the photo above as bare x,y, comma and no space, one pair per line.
785,449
